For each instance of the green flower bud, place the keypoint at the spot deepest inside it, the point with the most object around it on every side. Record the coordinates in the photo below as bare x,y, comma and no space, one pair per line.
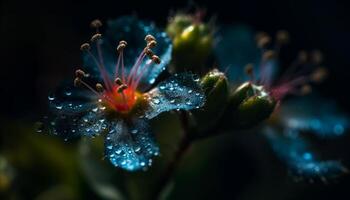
248,105
178,23
192,43
215,86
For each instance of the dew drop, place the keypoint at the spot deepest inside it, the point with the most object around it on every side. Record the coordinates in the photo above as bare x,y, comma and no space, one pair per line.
51,97
134,131
162,87
59,107
68,93
156,101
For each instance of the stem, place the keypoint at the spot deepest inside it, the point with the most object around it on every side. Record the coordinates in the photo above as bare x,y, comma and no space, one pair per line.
184,145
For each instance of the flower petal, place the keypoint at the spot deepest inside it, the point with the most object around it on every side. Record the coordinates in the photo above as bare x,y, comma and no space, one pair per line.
181,91
74,112
133,31
298,155
236,49
315,115
130,146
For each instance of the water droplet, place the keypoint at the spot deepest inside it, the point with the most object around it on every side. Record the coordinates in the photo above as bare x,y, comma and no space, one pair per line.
110,147
190,91
119,151
51,97
134,131
137,149
156,101
162,87
68,93
172,101
171,88
95,109
142,164
59,107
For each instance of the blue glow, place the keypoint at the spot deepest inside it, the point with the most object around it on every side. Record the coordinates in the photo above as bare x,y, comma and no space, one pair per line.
180,91
300,158
130,146
132,30
236,49
321,118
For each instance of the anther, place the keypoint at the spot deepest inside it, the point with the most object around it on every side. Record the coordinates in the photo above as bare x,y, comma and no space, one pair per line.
149,38
302,57
305,89
316,57
96,23
123,42
282,37
249,69
99,87
85,47
319,75
121,88
270,54
96,37
80,73
121,47
118,81
156,59
77,82
148,52
151,44
262,39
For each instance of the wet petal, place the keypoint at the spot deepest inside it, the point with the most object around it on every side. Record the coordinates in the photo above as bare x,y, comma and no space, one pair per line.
181,91
130,146
316,115
132,30
299,156
74,112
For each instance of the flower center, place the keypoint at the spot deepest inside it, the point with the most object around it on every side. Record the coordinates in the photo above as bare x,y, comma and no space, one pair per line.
121,93
121,101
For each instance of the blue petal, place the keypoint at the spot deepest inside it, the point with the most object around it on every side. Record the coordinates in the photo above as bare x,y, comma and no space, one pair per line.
181,91
130,146
132,30
316,115
74,112
236,49
298,155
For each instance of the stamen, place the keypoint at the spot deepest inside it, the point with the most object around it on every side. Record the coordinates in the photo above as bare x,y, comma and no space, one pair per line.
118,81
149,38
156,59
96,37
305,89
152,44
282,37
96,23
263,40
249,70
99,87
319,75
121,88
85,47
316,57
80,73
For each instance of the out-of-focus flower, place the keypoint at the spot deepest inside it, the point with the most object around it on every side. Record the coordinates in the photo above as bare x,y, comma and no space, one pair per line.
193,41
291,119
122,101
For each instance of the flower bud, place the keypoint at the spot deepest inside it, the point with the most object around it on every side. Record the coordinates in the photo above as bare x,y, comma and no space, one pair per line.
192,44
215,86
248,105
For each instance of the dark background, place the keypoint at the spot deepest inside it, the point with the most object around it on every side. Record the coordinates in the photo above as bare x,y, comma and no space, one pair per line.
40,45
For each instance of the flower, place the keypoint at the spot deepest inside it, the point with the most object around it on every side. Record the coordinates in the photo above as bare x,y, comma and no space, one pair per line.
122,101
292,120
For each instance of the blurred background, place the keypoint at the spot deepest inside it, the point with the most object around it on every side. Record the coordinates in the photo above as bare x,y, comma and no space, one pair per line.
40,47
